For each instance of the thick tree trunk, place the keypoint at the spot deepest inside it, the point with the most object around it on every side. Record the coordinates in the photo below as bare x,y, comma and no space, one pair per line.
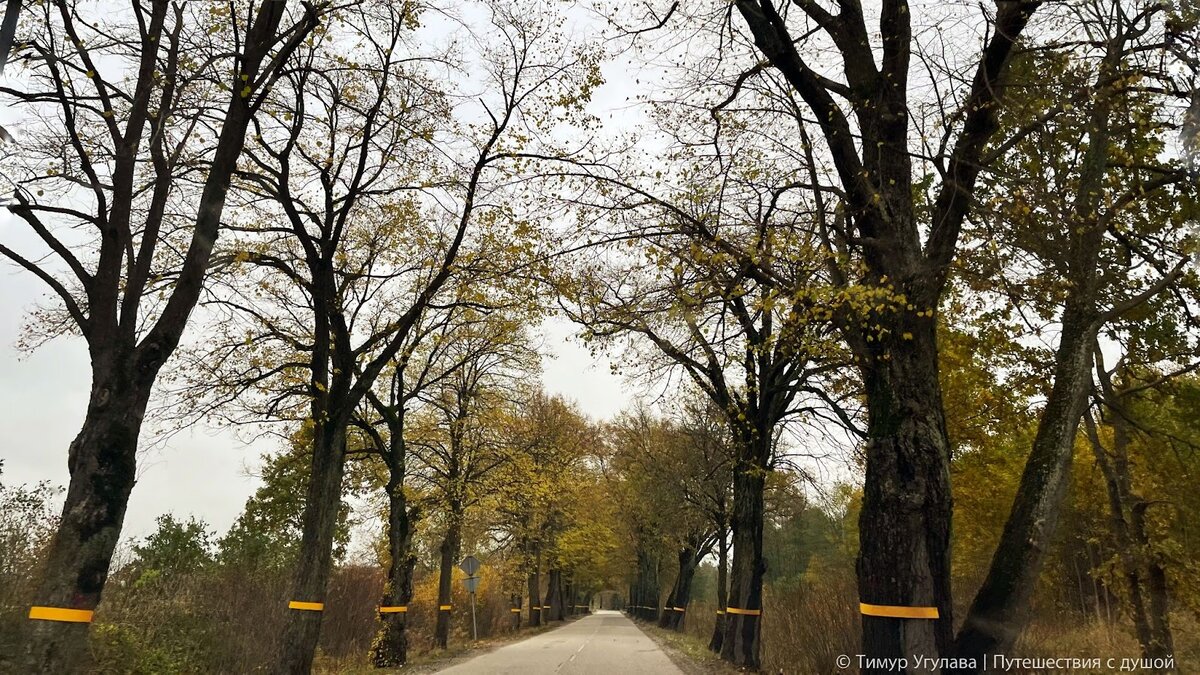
390,648
743,620
681,591
449,551
996,616
322,503
718,636
554,596
647,588
904,527
535,598
102,463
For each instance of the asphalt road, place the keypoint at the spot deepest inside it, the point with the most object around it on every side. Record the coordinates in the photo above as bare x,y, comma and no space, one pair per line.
604,643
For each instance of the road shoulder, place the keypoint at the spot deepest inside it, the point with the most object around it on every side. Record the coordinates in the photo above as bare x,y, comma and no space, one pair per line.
687,652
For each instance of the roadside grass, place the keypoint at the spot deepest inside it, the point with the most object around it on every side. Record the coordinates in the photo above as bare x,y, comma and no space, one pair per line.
689,652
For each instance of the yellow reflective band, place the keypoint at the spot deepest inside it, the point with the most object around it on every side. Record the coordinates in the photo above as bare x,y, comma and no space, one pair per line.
895,612
679,609
398,609
445,608
515,610
746,612
307,607
545,606
61,614
535,608
720,611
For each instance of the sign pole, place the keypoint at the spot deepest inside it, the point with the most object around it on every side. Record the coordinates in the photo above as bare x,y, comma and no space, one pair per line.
470,565
474,627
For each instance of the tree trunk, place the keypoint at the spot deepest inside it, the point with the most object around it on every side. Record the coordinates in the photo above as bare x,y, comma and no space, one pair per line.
554,596
1162,643
390,648
904,527
322,504
647,588
535,601
996,616
718,636
102,463
681,591
1142,571
1121,535
744,614
449,556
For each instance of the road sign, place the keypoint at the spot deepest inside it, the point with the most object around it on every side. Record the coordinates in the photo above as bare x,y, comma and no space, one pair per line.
470,565
472,584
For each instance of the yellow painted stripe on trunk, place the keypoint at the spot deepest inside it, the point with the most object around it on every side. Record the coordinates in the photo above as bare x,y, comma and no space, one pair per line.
61,614
679,609
393,610
307,606
445,608
515,610
720,611
745,612
896,612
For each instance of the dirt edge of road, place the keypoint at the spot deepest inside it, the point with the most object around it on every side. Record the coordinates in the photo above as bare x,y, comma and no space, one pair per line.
686,652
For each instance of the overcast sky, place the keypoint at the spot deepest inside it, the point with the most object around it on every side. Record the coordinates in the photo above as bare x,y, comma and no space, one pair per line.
208,472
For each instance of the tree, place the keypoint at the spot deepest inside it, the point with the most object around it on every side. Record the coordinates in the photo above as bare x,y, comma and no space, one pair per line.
369,239
175,548
460,452
759,355
1123,211
905,521
145,119
545,443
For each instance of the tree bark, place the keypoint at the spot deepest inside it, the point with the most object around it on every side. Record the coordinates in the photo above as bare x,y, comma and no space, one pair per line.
554,596
102,464
718,636
681,591
1162,643
904,549
322,504
535,602
390,647
743,619
449,550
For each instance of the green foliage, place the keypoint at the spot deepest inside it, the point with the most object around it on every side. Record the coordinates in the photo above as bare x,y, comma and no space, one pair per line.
175,548
266,536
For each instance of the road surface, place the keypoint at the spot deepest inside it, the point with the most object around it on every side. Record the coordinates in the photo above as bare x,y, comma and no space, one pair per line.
604,643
